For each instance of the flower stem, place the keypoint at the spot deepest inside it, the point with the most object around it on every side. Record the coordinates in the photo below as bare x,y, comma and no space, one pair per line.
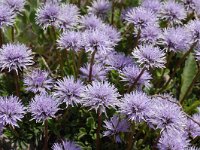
190,86
91,65
98,142
130,137
74,64
45,135
13,33
176,67
17,86
1,37
136,80
113,12
79,61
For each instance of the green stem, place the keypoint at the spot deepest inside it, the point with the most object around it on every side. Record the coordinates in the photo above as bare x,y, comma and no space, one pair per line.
74,64
1,37
136,80
91,65
45,135
13,33
113,12
17,86
98,142
79,61
176,68
190,86
130,138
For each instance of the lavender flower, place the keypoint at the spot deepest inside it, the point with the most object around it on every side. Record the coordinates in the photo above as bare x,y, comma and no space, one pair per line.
99,72
164,114
99,7
66,145
99,96
115,126
38,81
7,16
192,148
193,128
16,5
47,14
11,110
130,73
68,90
15,56
71,40
42,107
135,105
140,17
150,56
154,5
193,27
150,34
90,22
68,16
192,6
172,12
173,140
176,39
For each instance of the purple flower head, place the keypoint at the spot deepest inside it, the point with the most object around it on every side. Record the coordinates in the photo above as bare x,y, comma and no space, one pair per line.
172,12
68,90
140,17
99,7
99,72
176,39
154,5
193,128
135,105
130,73
96,39
38,81
192,148
164,114
193,27
90,22
192,5
7,16
197,51
99,96
115,126
15,56
16,5
11,110
42,107
47,14
150,34
150,56
66,145
68,16
70,40
173,139
119,61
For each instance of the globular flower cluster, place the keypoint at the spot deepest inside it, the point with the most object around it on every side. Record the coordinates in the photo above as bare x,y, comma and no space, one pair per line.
66,145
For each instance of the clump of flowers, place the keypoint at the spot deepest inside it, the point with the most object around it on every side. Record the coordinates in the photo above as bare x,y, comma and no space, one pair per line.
66,145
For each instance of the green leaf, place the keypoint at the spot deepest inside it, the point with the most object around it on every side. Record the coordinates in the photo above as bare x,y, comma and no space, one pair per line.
189,72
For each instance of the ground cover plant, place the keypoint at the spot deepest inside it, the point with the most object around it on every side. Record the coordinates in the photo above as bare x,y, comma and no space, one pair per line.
83,75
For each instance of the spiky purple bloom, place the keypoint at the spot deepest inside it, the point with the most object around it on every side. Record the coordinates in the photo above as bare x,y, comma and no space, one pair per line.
192,148
97,40
11,110
99,96
68,90
119,61
164,114
99,72
172,12
15,56
173,139
192,6
140,17
130,73
154,5
99,7
90,22
43,107
150,34
66,145
38,81
7,16
71,40
193,128
16,5
193,27
150,56
135,105
176,39
47,14
68,16
115,126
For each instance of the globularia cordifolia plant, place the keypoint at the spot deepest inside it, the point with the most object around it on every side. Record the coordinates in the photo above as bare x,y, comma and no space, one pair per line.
100,74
